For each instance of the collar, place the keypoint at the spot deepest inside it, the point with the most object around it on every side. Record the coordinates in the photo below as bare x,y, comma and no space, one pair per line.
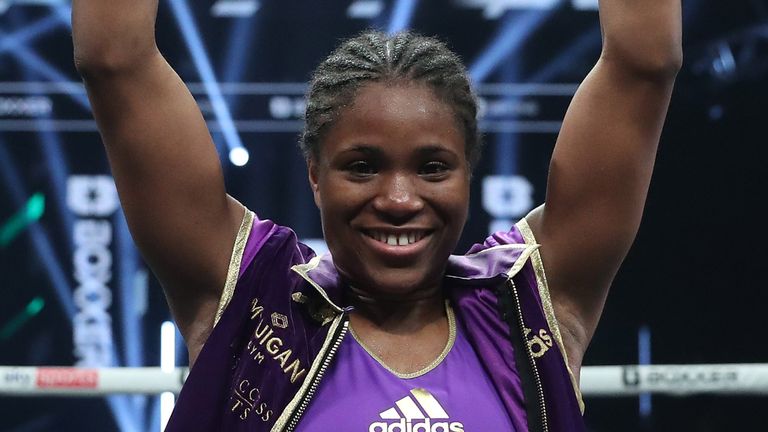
492,264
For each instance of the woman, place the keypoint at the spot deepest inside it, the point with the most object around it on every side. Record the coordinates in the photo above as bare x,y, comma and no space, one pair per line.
388,332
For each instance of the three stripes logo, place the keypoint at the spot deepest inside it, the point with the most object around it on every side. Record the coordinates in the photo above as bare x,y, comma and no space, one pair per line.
417,412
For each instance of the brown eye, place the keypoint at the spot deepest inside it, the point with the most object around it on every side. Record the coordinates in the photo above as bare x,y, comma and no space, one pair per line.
434,168
361,168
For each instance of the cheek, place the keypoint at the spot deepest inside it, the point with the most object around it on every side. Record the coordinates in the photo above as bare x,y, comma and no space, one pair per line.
453,197
340,200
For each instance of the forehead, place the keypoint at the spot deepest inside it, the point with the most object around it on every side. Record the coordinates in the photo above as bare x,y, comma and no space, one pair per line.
395,116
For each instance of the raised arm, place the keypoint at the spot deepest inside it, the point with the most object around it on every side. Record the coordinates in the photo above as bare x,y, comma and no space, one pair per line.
164,163
602,163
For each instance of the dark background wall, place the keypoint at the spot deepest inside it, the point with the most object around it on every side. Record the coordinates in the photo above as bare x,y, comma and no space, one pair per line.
693,278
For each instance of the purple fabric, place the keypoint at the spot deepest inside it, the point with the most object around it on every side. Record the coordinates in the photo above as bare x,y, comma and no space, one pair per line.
257,357
558,390
237,384
357,392
488,335
260,232
563,412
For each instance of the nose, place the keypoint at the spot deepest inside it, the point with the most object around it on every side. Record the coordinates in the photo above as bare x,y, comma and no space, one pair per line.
398,198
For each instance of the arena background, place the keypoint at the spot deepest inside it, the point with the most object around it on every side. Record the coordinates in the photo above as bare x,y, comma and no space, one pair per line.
692,289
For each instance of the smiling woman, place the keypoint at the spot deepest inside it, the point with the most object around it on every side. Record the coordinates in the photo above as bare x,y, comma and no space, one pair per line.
389,331
393,168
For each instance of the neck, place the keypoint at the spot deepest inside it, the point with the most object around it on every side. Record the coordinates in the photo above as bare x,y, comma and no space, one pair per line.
395,313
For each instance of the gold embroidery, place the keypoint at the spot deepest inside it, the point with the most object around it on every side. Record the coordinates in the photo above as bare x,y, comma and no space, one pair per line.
265,337
546,301
234,264
538,344
429,367
247,400
256,308
279,320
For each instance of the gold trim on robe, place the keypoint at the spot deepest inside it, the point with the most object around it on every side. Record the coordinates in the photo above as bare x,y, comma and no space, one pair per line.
546,301
233,272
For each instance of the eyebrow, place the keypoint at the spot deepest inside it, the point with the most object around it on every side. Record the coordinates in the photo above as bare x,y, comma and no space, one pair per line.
362,148
425,150
433,149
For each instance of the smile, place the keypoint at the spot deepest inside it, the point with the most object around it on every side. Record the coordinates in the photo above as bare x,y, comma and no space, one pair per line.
404,238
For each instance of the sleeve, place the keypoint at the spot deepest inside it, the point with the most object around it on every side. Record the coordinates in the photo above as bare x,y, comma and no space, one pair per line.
251,237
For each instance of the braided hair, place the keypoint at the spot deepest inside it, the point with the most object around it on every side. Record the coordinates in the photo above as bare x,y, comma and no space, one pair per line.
374,56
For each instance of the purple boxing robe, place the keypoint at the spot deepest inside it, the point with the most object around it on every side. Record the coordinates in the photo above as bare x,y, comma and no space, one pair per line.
281,321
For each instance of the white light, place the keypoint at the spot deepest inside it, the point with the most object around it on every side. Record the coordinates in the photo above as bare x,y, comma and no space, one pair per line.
167,347
585,4
235,8
365,9
239,156
281,107
167,401
167,364
507,196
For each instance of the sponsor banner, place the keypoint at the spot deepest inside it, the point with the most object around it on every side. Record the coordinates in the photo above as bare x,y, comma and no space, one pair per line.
21,378
675,379
671,377
63,378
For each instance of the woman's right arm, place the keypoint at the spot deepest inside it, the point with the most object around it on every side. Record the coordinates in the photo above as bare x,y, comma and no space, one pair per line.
163,160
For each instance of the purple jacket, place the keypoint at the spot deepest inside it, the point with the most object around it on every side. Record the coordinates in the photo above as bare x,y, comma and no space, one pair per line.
281,320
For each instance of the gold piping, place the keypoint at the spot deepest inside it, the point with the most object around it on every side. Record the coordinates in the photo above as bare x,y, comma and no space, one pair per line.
304,269
546,301
495,248
516,267
435,363
522,259
281,421
233,272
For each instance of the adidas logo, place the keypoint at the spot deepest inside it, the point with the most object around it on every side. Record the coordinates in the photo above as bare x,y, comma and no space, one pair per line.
417,412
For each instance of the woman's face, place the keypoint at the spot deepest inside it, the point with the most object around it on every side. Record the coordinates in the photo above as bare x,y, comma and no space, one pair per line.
392,185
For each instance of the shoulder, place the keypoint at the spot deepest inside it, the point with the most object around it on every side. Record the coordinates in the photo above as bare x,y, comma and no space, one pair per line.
261,248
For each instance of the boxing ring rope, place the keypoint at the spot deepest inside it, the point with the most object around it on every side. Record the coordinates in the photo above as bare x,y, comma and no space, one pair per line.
625,380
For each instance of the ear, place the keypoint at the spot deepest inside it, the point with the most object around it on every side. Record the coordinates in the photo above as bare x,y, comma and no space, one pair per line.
312,172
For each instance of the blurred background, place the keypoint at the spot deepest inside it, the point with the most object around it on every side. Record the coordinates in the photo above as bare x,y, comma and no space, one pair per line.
691,291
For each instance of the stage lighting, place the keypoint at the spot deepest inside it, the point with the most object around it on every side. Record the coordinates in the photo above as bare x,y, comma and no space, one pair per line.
365,9
239,156
235,8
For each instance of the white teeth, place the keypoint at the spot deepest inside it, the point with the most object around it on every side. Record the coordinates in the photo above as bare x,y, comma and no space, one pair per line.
403,239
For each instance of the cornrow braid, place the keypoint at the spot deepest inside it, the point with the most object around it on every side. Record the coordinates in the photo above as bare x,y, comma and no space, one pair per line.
375,57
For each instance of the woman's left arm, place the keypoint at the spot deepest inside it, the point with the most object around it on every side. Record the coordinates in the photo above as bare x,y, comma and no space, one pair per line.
602,163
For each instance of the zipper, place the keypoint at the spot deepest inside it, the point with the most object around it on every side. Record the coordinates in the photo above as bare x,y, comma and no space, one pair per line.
529,355
339,337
